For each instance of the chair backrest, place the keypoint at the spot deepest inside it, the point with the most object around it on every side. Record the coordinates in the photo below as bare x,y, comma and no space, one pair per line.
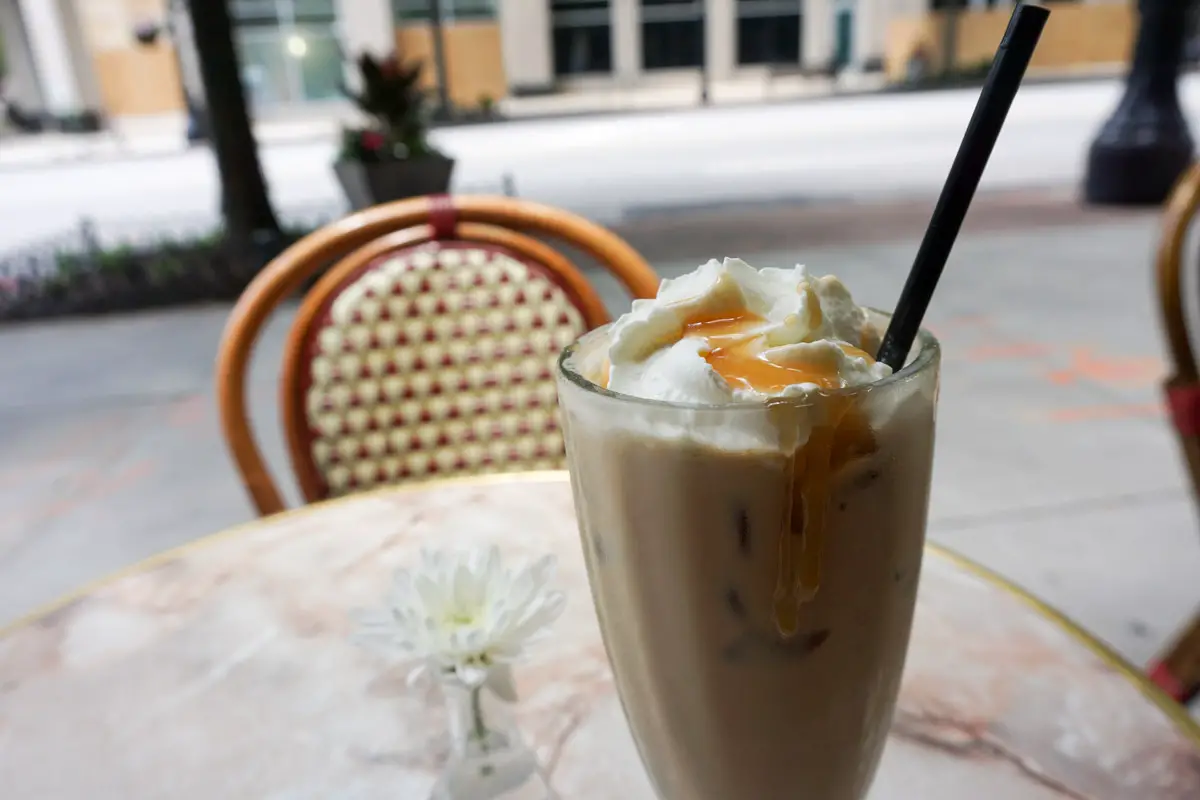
1182,385
426,350
1176,669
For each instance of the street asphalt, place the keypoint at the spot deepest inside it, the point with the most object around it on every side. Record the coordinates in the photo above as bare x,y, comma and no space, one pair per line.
618,166
1055,464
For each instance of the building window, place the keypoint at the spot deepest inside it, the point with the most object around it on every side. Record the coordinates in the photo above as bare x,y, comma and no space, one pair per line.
288,49
267,12
768,31
452,10
672,34
582,36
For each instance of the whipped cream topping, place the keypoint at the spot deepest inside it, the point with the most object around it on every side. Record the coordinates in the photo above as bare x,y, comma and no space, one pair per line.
729,333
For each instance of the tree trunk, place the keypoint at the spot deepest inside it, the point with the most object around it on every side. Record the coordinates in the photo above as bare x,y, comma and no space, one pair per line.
250,222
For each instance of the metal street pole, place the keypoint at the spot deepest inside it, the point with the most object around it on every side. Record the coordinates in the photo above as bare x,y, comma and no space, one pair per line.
705,50
439,56
1145,145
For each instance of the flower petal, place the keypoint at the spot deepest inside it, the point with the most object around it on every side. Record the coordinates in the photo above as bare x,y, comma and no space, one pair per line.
465,614
500,680
418,671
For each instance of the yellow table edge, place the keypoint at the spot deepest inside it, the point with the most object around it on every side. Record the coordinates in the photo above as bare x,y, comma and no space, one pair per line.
1174,711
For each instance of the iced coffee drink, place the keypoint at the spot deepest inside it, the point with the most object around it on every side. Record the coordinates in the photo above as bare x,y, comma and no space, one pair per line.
751,489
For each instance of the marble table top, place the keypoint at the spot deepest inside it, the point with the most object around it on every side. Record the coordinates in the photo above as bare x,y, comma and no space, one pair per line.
225,670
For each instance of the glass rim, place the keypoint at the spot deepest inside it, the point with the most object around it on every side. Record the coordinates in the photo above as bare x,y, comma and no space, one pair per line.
926,357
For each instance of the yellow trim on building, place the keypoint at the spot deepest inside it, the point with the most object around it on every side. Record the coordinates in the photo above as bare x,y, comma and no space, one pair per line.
1077,35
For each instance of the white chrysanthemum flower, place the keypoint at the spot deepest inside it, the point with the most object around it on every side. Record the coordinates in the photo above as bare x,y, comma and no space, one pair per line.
463,614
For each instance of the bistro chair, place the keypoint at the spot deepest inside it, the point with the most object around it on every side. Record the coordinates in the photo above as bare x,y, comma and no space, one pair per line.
1177,669
426,350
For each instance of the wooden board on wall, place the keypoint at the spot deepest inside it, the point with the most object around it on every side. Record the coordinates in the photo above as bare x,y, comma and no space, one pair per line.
1100,33
905,38
132,78
474,63
109,24
139,81
1076,35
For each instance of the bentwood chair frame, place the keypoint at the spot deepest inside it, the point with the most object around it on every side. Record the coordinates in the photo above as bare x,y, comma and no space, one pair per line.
1177,669
366,236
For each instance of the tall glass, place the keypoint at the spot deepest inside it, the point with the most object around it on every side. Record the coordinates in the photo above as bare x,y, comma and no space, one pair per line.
754,570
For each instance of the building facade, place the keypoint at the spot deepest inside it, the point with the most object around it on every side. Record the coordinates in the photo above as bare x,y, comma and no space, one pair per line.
65,56
44,63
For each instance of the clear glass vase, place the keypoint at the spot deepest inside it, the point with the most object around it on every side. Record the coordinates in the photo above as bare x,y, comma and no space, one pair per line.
489,759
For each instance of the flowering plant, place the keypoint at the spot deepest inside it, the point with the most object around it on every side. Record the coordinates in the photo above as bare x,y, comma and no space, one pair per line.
466,617
394,103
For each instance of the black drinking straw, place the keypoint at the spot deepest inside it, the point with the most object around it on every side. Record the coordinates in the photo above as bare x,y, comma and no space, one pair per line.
1003,80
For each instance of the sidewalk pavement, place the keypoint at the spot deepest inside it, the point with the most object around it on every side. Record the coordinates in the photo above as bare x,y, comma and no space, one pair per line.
142,138
1055,465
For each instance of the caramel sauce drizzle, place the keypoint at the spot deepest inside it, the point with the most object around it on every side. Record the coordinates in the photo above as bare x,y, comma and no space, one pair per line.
843,436
734,356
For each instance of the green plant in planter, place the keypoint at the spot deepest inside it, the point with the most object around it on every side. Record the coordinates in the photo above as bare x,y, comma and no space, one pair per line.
397,110
390,157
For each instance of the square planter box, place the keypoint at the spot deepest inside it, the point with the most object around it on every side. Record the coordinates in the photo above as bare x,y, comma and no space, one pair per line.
366,185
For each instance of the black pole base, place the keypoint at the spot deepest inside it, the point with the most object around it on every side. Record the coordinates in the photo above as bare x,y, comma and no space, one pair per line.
1131,175
197,126
1145,145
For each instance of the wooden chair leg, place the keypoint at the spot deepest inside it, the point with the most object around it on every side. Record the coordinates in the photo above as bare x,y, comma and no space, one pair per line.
1177,669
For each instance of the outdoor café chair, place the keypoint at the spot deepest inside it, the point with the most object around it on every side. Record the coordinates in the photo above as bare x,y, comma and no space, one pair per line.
1177,670
426,350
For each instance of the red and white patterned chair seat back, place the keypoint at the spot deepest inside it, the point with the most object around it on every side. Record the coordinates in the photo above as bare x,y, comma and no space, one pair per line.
435,361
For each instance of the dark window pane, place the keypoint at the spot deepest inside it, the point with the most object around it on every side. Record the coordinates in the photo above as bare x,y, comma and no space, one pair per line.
582,50
769,40
667,45
582,36
579,5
